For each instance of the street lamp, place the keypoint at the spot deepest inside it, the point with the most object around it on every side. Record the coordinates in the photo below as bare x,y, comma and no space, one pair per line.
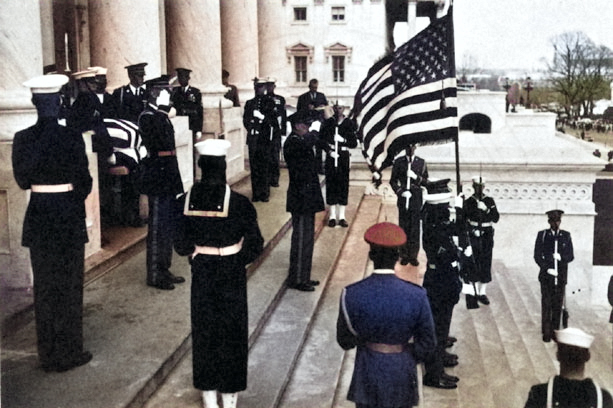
528,87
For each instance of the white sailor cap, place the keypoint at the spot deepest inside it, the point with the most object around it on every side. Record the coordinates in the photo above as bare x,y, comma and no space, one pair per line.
46,84
478,180
271,80
574,337
87,73
213,147
98,70
259,81
438,192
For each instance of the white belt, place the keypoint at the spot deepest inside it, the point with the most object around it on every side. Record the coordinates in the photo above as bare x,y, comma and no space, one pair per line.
224,251
51,188
341,148
482,224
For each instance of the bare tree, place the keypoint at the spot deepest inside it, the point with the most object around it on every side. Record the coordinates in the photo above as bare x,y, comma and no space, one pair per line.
579,70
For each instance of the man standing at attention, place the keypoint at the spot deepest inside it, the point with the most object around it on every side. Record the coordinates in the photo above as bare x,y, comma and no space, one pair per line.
314,101
553,250
379,315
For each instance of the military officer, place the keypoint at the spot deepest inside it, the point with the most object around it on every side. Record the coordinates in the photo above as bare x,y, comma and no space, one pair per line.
340,133
161,182
409,174
553,251
571,388
131,100
219,231
281,115
481,214
50,160
187,100
260,120
379,315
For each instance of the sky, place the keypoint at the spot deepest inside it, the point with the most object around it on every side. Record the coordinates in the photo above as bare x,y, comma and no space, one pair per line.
517,34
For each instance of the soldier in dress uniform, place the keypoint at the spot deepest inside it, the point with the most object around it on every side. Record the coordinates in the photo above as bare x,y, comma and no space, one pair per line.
379,315
187,100
304,198
50,160
340,133
132,99
441,280
480,213
281,115
260,120
571,388
219,232
553,250
161,182
409,174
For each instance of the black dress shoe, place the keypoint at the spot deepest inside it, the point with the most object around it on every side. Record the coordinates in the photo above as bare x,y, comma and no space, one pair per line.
175,279
274,184
265,199
440,383
449,377
450,362
163,284
450,356
452,339
304,287
343,223
483,299
79,360
546,338
313,282
449,344
331,223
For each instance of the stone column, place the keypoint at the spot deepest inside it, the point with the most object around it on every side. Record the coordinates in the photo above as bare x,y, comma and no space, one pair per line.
125,32
239,43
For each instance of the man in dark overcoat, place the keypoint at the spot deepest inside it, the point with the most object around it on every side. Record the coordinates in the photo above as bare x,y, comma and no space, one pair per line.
219,231
50,160
260,120
281,115
480,214
304,198
340,133
553,251
379,315
131,99
315,102
161,182
409,174
441,280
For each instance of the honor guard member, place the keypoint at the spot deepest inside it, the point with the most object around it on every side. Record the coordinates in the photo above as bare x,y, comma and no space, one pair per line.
379,315
304,198
571,388
281,115
131,99
409,174
219,232
260,120
481,214
339,133
553,250
161,182
315,102
50,160
187,100
441,280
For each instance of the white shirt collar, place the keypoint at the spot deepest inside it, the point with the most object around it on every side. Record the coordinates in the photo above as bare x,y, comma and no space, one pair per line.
384,271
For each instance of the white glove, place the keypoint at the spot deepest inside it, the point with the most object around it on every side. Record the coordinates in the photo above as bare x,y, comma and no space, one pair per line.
412,175
552,272
198,135
481,205
406,194
468,251
315,126
477,233
459,201
557,256
112,159
163,98
376,176
338,138
258,114
334,155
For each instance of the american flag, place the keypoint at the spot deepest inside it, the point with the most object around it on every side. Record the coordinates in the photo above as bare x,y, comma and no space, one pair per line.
409,97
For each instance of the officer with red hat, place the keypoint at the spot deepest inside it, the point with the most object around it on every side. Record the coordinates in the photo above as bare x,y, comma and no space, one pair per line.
379,315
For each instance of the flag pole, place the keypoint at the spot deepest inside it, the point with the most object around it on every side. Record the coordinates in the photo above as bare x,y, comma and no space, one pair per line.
451,41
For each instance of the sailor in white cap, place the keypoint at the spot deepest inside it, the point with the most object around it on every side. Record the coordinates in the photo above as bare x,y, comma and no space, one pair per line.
571,388
553,251
481,214
219,232
340,134
281,115
50,160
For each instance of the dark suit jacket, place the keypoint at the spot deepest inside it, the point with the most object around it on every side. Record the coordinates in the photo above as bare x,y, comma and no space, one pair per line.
189,104
306,98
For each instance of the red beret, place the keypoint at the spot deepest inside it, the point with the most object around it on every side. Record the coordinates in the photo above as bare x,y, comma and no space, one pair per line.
385,234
